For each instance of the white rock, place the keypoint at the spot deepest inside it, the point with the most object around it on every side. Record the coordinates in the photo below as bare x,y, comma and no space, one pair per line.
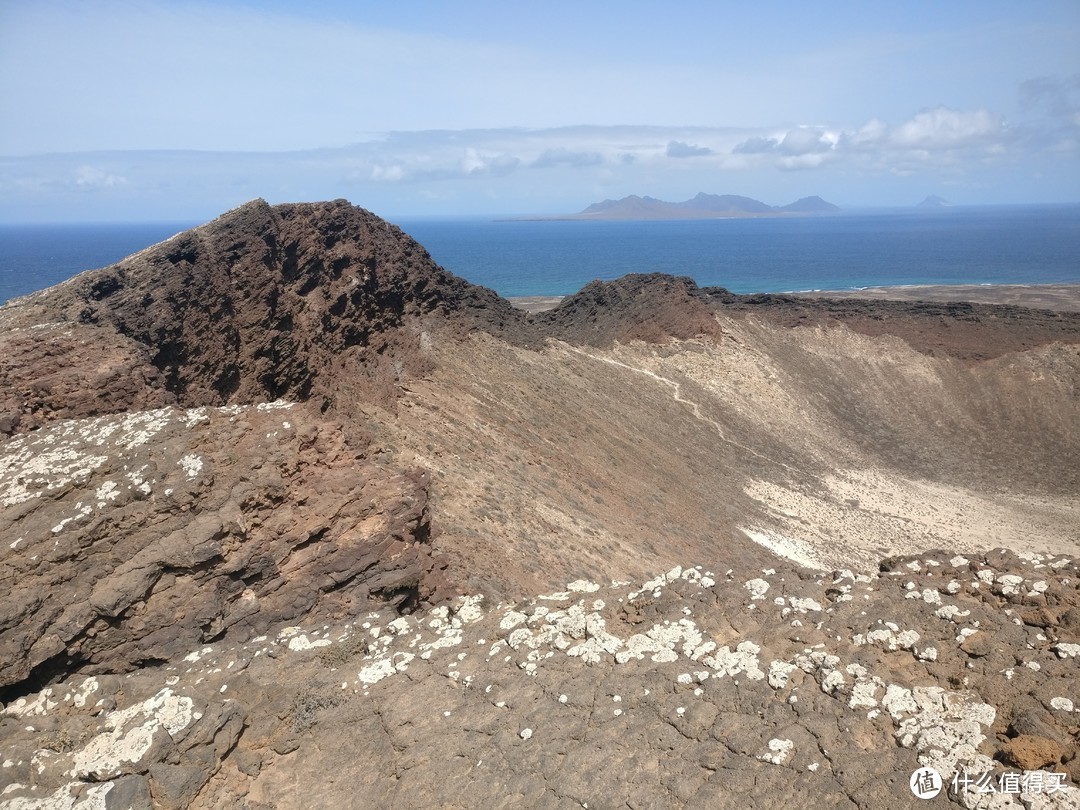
127,740
191,464
582,586
512,620
862,695
1062,704
757,588
779,750
779,672
301,642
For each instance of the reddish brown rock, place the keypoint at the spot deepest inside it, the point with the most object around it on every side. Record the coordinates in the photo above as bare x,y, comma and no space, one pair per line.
67,370
1039,618
978,645
1032,753
967,331
649,307
152,534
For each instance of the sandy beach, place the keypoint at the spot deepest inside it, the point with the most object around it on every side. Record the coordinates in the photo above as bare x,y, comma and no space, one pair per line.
536,303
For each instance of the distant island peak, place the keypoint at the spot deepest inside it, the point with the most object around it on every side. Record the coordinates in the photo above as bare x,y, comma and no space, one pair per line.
934,201
700,206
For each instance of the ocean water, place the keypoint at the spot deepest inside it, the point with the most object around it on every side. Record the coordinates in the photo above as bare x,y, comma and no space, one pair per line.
991,245
33,257
1014,245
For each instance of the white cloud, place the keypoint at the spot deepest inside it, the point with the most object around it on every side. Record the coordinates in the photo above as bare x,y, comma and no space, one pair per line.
472,162
756,145
808,141
940,135
943,128
91,177
387,174
869,134
680,149
798,162
561,156
550,170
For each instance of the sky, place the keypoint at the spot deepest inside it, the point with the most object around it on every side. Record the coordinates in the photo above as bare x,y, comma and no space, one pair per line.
138,111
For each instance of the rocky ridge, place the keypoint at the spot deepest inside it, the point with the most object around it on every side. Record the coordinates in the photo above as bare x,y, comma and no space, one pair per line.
260,304
229,453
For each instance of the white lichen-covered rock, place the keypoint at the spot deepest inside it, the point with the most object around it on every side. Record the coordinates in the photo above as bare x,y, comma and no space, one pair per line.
779,751
757,588
889,638
1066,650
945,728
779,673
130,735
742,660
545,664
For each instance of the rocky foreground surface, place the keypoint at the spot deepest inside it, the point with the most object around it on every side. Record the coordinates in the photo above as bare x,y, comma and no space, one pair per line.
696,688
291,517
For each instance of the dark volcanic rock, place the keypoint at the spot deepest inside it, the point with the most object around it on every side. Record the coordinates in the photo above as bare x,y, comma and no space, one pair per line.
263,302
68,370
966,331
653,308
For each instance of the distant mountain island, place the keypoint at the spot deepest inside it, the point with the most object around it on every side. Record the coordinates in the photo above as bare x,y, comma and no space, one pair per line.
703,206
933,201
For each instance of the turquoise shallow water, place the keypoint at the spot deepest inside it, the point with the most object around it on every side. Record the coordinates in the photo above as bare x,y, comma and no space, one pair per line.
1007,245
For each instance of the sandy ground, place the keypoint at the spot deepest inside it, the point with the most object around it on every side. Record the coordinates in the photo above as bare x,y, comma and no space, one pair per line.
536,303
853,509
856,517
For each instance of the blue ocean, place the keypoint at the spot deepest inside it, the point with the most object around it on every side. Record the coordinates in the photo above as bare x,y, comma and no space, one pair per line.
986,245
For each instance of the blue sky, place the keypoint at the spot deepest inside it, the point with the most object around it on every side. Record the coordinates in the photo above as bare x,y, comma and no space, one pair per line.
177,110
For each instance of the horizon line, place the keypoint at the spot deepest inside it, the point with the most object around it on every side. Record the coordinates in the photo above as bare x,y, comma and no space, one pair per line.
550,216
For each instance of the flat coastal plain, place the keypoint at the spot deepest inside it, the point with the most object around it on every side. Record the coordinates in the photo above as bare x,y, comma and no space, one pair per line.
1058,297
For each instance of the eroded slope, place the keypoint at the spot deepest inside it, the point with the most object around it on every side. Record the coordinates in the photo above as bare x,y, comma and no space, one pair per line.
831,446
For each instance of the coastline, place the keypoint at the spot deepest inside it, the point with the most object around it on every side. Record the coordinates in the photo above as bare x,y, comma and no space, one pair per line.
1057,297
536,303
